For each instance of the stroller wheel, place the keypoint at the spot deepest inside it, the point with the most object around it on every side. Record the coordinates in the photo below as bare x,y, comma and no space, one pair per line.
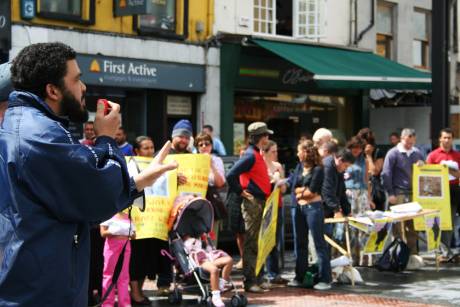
238,300
175,297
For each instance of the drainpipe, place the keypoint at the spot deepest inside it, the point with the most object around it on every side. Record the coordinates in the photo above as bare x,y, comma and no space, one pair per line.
371,24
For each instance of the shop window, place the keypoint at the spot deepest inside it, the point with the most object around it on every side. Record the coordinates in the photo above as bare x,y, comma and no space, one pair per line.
80,11
385,30
297,18
161,17
421,43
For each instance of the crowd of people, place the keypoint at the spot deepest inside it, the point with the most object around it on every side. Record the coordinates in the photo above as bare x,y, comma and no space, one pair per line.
50,221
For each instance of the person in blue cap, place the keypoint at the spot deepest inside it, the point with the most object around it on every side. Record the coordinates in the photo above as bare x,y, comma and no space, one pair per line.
6,87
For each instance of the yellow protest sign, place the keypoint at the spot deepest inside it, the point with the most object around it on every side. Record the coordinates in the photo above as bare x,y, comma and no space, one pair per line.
267,234
378,236
159,198
196,168
430,187
433,231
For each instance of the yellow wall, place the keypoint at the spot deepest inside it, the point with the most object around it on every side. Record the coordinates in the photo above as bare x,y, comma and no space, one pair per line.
199,11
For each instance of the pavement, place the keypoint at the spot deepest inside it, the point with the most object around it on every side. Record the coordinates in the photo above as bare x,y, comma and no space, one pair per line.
424,287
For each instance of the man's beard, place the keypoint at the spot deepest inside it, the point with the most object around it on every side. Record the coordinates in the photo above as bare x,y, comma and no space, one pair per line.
72,108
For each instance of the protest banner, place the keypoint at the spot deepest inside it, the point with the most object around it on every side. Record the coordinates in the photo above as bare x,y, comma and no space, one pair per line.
196,168
159,198
378,237
433,231
267,234
430,186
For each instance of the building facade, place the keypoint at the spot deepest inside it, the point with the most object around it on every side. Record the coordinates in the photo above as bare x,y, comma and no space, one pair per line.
149,56
277,47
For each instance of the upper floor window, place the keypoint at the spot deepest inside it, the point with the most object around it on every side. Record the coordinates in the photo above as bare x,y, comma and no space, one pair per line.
65,7
161,16
81,11
385,30
421,43
297,18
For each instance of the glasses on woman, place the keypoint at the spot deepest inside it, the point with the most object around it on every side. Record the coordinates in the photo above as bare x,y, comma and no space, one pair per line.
204,144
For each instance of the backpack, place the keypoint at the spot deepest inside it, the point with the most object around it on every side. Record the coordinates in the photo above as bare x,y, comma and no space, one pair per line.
395,257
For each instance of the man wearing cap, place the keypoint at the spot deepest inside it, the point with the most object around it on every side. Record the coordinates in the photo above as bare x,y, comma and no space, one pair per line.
397,180
5,88
249,178
181,134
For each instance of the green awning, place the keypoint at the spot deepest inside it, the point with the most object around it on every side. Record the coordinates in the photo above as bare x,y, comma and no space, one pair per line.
337,68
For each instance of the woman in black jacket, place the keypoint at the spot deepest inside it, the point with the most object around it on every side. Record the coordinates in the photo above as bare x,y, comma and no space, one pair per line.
310,218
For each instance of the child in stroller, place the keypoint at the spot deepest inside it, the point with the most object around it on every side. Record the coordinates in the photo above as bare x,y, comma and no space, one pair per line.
190,221
211,260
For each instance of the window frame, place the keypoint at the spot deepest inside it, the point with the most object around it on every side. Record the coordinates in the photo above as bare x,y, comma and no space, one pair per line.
389,37
69,17
162,33
319,25
425,43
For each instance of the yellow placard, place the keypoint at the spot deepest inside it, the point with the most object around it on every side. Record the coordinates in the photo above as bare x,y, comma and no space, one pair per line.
196,168
267,234
159,198
433,231
152,223
431,190
378,237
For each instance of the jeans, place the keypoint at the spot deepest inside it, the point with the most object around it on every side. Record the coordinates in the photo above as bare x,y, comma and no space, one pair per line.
310,218
293,209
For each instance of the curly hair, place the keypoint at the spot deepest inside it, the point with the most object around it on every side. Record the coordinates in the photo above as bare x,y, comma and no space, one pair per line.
40,64
312,157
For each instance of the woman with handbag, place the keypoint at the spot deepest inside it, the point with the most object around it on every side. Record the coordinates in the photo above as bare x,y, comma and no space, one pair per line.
216,180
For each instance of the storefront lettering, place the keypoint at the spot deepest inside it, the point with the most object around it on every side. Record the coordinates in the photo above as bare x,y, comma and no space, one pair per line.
137,70
295,76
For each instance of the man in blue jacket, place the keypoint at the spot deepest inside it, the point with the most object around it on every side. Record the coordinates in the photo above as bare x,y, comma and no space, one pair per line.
51,186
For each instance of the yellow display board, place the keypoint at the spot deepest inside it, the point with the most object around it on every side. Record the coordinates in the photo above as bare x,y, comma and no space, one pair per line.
378,236
159,198
430,187
267,234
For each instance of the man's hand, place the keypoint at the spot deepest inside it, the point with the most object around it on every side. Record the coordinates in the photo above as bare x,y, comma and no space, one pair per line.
392,199
107,124
155,169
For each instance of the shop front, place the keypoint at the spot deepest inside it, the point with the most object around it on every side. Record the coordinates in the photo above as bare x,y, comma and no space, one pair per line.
298,88
153,95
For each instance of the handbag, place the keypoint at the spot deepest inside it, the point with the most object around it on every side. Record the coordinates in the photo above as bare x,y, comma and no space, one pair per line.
378,193
220,211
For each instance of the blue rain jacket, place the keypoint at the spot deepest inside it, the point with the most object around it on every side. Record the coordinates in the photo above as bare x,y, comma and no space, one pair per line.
51,188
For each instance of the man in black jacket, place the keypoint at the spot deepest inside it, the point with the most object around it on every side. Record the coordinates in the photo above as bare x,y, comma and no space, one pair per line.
333,192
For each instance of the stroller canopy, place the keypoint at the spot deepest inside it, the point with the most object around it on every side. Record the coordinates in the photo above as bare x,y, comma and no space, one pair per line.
195,218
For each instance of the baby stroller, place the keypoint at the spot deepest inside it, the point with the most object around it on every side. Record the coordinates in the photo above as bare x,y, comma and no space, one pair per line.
193,216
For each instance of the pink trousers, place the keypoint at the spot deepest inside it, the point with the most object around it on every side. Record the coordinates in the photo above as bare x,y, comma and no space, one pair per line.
112,250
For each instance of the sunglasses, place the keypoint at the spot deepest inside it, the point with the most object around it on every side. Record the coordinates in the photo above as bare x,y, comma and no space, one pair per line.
204,144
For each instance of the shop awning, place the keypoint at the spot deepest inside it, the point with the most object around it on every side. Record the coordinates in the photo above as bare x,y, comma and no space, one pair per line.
337,68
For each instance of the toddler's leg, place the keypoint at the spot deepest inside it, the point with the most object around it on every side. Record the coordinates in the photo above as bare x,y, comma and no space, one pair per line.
214,274
111,253
123,280
226,263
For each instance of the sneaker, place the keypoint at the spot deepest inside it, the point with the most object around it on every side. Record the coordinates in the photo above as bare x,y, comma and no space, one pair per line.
265,285
322,286
415,263
217,301
278,280
224,285
254,289
294,283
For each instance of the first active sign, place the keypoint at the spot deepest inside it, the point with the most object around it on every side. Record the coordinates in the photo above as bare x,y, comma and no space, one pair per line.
123,72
